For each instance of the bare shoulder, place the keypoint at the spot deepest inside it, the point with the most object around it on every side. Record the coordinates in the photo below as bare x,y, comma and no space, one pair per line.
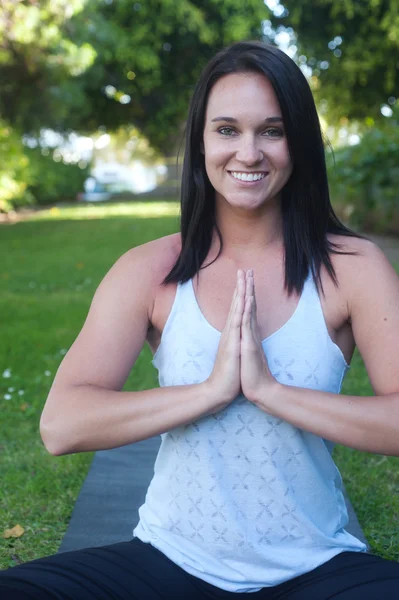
362,270
156,253
360,247
116,326
360,262
149,263
370,286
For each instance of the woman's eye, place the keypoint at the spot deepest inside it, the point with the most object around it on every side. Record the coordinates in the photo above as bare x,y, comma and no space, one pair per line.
226,130
274,132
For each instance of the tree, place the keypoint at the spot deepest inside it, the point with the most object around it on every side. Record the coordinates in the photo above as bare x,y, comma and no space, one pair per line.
352,47
82,64
151,55
40,64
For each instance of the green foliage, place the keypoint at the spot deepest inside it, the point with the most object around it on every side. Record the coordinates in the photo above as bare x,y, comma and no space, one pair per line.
52,180
14,165
88,63
362,71
364,180
30,176
39,63
153,54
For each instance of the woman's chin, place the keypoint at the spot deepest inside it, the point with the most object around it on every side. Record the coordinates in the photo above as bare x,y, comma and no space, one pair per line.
248,202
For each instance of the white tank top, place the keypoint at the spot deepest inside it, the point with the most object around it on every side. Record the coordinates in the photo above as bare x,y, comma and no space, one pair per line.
242,499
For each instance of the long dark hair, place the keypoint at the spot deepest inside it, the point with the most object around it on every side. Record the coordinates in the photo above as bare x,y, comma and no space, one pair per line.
306,207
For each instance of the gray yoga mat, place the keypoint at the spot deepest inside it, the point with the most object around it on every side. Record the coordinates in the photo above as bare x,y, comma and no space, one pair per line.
106,510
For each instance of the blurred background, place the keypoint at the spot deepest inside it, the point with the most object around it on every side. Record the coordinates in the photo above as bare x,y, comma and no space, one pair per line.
94,94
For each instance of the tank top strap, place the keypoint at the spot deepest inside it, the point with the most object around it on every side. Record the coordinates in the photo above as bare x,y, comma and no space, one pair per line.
312,303
183,308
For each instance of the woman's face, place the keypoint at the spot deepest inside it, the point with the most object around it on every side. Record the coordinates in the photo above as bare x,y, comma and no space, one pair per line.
246,152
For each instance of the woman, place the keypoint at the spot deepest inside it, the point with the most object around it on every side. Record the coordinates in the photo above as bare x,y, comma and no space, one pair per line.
245,497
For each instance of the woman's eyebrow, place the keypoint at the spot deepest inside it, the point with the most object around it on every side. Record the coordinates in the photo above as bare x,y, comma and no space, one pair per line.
232,120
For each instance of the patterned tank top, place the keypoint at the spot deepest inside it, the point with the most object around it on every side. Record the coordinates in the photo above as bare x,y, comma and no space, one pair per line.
240,498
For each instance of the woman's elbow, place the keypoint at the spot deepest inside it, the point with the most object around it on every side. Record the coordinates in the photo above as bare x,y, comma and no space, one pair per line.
51,438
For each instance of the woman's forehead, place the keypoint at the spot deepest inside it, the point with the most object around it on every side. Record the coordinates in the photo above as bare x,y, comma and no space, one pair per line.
242,94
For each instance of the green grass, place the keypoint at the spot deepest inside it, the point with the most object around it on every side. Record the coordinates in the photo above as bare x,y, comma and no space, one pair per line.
50,267
372,480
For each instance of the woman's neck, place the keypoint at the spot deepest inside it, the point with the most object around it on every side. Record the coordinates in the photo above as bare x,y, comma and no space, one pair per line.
248,233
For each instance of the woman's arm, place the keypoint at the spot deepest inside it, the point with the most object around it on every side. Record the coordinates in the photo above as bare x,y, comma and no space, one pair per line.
90,417
366,423
86,409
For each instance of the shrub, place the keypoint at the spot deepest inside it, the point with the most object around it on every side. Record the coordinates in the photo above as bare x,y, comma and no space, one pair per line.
364,180
14,166
31,176
52,180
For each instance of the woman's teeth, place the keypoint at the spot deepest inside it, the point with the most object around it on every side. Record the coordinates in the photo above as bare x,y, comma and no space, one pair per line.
248,176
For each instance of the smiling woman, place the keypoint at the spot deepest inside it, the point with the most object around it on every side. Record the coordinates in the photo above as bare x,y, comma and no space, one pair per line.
245,495
246,151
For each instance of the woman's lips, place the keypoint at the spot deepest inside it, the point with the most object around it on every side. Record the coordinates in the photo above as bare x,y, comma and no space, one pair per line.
248,177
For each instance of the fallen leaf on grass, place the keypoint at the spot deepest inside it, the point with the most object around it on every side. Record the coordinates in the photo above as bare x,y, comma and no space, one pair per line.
24,406
14,532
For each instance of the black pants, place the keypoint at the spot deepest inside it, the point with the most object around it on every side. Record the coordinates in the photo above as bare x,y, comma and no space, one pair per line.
137,571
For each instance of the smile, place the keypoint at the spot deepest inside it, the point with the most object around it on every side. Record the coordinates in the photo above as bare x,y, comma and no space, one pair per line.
243,176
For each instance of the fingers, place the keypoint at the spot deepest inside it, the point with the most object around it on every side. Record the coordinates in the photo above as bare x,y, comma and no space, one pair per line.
250,288
243,305
249,316
237,303
240,299
254,320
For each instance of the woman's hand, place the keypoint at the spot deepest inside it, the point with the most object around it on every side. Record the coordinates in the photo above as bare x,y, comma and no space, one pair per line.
224,382
255,373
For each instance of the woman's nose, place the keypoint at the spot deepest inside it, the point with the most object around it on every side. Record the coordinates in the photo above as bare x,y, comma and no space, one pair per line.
249,151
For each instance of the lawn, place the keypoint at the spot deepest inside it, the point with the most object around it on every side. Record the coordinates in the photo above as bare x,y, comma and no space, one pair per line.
51,265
